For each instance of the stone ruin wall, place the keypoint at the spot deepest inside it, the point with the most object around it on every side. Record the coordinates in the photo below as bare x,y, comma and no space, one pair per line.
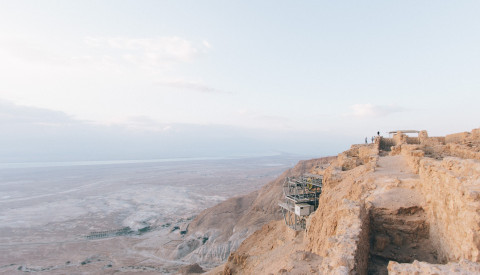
464,145
357,155
450,184
451,188
462,151
457,137
463,267
394,144
341,232
342,238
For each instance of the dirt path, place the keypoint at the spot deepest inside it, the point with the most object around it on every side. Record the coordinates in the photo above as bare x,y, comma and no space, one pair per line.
394,166
399,230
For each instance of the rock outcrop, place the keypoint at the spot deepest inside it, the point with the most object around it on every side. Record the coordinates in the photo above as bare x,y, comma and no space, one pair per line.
464,267
405,205
219,230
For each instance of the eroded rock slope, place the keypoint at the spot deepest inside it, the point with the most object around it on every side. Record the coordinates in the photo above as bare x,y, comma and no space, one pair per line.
219,230
406,205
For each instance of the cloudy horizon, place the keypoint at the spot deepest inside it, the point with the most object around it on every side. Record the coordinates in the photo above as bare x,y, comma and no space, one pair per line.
89,80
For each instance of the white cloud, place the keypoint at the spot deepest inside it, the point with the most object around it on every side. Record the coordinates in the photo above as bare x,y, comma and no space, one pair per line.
145,123
206,44
150,51
11,113
188,85
256,119
31,51
370,110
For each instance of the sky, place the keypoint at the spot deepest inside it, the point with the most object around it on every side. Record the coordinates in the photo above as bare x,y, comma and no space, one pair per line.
95,80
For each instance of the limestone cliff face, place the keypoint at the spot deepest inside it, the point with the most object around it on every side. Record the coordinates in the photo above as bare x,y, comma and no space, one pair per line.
463,267
340,224
219,230
414,201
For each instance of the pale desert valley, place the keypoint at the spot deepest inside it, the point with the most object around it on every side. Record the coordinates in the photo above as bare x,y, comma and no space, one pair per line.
405,204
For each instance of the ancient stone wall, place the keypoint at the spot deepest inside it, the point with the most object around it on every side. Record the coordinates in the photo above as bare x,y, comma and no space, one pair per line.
377,206
433,141
363,242
385,143
457,137
357,155
339,229
343,238
451,188
463,145
460,268
413,154
368,153
475,134
401,139
413,140
462,151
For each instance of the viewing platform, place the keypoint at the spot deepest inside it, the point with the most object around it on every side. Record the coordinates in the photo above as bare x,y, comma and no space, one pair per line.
301,199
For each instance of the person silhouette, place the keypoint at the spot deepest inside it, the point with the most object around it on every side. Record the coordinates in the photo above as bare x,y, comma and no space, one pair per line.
366,140
378,133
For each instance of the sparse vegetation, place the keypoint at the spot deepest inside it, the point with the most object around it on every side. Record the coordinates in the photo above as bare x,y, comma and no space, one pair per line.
144,230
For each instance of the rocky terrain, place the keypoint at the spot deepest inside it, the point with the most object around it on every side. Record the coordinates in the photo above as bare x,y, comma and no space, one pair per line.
219,230
115,218
401,205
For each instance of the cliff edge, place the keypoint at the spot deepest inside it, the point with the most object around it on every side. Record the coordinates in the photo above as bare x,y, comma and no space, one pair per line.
402,205
219,230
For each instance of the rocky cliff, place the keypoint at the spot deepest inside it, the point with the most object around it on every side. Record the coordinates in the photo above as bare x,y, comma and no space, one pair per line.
406,205
219,230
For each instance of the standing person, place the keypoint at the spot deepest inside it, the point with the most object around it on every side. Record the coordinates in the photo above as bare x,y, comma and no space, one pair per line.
378,133
372,139
366,140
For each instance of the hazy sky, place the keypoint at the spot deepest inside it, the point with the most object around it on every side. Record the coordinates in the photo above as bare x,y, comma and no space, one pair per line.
231,77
